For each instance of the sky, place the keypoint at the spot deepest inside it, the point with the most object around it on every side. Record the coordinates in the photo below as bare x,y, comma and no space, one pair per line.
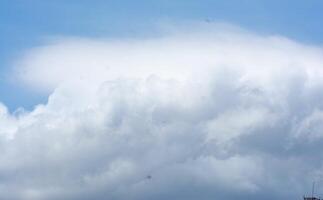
160,99
26,24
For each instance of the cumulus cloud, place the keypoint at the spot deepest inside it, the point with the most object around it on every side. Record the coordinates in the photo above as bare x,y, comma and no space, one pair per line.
209,113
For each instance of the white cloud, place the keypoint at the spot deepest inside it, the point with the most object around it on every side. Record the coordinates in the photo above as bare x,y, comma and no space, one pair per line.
213,113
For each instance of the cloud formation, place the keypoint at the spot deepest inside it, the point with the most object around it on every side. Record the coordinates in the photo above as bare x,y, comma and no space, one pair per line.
206,114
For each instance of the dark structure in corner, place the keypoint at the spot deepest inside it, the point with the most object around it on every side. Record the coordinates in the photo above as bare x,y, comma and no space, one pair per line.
312,196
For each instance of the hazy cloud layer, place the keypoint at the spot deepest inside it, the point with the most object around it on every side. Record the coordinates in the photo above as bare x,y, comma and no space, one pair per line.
209,114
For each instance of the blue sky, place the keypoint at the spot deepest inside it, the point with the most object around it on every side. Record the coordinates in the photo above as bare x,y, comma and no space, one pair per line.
25,24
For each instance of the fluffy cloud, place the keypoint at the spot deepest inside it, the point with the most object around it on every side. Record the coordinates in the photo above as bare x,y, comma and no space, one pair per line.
208,114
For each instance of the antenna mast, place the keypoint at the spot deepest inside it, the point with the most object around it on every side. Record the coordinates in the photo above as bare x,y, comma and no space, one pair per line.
312,196
313,187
